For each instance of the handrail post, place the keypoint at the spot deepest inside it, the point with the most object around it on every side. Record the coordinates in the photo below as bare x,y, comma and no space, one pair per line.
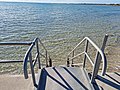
50,62
68,62
32,69
98,60
86,47
72,59
39,64
46,59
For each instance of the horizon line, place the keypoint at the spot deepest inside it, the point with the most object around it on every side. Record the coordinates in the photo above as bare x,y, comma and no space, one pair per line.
57,2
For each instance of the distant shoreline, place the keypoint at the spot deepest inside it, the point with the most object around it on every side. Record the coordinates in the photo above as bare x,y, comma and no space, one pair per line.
111,4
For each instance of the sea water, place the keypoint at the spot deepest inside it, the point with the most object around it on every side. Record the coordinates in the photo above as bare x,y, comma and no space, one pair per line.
59,26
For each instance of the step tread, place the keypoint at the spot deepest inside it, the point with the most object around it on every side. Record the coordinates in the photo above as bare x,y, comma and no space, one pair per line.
63,78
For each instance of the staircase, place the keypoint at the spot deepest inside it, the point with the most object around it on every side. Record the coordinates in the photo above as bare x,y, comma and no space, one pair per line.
69,77
66,77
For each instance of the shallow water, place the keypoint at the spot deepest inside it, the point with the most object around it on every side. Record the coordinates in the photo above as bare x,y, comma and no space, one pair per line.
59,26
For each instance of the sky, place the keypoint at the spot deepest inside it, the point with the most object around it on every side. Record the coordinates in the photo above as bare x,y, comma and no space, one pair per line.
67,1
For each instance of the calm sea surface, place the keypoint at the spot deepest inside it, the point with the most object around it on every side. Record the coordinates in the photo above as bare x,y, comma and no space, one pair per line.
59,26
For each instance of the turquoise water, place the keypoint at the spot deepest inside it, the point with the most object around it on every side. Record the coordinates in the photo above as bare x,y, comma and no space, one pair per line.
59,26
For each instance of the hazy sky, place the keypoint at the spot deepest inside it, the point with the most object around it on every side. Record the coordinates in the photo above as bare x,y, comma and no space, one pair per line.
67,1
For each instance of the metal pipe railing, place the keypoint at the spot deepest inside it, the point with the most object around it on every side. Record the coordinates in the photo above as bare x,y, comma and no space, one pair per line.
98,60
38,55
76,56
15,43
97,48
26,60
10,61
86,47
72,56
77,46
99,56
86,54
37,58
32,69
28,56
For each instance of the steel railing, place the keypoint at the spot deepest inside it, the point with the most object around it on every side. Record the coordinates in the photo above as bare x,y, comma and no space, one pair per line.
28,56
99,55
13,44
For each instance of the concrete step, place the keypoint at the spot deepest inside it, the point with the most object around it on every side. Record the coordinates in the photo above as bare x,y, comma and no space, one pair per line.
63,78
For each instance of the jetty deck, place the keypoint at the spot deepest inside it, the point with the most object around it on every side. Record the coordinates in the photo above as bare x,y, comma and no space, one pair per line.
15,82
68,77
111,81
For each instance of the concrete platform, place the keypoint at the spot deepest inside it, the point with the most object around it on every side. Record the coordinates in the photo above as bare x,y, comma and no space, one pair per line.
15,82
62,78
111,81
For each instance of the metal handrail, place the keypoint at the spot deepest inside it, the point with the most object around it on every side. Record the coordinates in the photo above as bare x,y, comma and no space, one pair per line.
42,44
76,56
15,43
28,55
26,60
100,52
89,59
77,46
